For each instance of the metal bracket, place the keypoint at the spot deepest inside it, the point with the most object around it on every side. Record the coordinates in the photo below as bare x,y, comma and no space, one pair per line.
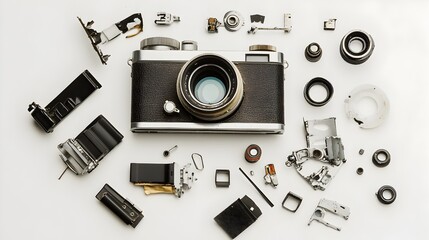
330,24
134,21
270,175
220,183
322,145
122,207
82,154
166,18
62,105
294,196
287,25
330,206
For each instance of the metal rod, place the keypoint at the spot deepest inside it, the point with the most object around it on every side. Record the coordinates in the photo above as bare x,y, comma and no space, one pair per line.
63,173
259,190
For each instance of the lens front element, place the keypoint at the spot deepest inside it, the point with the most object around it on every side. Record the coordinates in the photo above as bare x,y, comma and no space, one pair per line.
210,87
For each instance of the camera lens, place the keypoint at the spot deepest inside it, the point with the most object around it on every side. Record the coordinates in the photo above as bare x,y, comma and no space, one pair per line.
210,87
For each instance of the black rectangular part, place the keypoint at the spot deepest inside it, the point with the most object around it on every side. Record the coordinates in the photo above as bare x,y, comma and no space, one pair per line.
120,206
222,183
238,216
62,105
99,138
155,173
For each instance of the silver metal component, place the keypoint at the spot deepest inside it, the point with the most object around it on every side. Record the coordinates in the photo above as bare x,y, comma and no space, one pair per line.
233,21
183,178
322,145
170,107
142,55
252,173
189,45
356,56
329,24
180,127
201,160
76,158
364,92
166,18
361,152
166,153
262,47
332,207
287,25
270,175
159,43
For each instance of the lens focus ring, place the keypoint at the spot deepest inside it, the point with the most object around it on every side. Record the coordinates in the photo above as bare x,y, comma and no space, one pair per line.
356,57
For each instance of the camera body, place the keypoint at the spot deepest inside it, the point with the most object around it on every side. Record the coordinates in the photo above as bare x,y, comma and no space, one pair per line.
251,86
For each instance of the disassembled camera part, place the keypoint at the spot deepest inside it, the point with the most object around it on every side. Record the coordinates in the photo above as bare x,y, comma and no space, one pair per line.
83,154
122,207
198,156
213,25
330,24
134,21
162,178
360,93
361,152
330,206
166,153
166,18
256,187
359,171
170,107
323,145
222,178
210,89
270,175
233,21
238,216
252,173
313,52
257,18
360,39
381,158
69,99
384,198
253,153
318,81
296,198
287,25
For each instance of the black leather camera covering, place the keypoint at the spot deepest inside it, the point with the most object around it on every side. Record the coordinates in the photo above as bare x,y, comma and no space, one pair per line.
153,82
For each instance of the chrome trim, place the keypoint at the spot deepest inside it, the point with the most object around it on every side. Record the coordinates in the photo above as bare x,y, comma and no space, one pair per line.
181,127
177,55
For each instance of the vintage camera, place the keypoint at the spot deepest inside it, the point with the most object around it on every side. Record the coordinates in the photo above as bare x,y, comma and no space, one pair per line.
176,88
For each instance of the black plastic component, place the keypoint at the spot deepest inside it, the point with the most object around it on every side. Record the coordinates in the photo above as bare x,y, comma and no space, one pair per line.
238,216
310,54
220,183
363,55
379,162
99,138
124,209
381,197
69,99
152,173
257,18
296,197
321,82
359,171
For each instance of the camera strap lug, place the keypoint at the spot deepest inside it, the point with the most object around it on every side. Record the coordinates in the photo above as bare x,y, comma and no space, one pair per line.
82,154
62,105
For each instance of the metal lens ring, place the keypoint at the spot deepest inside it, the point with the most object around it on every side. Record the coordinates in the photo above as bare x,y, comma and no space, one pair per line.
320,82
360,56
233,21
382,198
381,162
210,87
313,52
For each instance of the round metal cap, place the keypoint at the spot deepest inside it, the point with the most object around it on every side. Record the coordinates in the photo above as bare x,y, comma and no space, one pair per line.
262,47
159,43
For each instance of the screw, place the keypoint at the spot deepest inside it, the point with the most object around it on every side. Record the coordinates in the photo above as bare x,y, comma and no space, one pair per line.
167,152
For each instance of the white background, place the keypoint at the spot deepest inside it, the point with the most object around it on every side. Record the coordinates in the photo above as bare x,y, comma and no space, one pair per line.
43,48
